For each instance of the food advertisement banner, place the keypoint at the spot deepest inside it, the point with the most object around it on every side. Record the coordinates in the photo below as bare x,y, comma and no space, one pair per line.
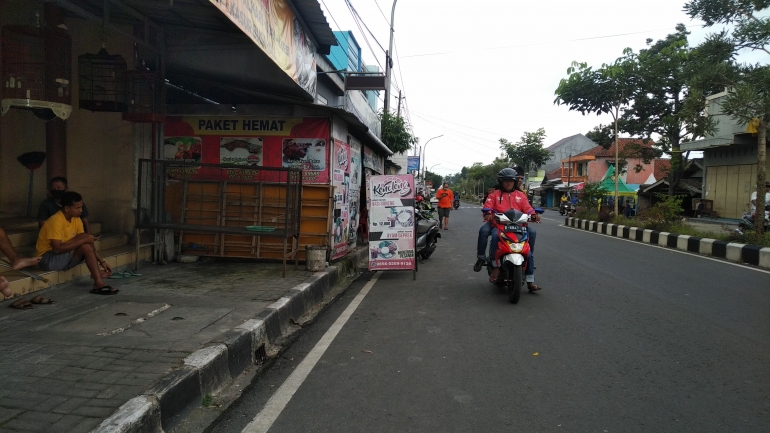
271,24
346,181
391,222
249,141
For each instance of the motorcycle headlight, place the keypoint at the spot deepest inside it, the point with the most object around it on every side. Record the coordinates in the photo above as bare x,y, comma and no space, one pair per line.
517,247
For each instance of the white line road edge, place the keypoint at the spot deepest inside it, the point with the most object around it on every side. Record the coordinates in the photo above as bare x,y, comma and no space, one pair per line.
265,418
669,249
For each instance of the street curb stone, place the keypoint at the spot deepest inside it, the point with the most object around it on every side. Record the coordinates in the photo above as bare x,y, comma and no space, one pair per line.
730,251
209,369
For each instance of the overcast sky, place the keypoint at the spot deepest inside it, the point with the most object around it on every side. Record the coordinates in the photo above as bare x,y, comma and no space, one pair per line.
476,71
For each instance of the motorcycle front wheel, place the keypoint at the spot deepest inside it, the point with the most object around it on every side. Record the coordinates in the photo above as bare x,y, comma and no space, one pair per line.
515,281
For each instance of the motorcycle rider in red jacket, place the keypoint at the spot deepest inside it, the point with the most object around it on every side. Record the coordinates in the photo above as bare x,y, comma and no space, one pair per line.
507,197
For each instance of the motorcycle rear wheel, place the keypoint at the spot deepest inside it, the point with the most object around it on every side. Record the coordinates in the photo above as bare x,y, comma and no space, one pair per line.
515,282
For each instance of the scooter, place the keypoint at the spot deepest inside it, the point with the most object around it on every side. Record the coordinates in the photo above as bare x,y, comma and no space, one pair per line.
512,251
748,221
456,203
427,234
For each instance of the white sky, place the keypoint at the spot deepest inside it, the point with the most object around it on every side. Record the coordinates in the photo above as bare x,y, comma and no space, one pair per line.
501,62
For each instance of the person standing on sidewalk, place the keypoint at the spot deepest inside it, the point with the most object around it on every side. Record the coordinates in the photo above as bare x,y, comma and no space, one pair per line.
445,199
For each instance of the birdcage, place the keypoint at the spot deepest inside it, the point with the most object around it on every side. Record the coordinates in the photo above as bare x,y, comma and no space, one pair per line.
146,97
36,64
102,81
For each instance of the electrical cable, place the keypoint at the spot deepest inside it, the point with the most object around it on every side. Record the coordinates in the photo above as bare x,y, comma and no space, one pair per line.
358,23
541,43
350,5
469,127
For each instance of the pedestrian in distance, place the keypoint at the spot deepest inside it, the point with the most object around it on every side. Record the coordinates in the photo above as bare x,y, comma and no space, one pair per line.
445,199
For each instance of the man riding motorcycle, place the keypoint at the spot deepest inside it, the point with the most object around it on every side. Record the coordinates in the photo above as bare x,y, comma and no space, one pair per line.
507,197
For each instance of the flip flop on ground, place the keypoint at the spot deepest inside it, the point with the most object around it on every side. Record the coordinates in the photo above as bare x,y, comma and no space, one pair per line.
22,304
532,287
41,300
105,290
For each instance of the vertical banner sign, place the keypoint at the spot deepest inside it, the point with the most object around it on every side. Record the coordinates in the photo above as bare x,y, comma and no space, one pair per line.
354,196
412,163
341,185
391,222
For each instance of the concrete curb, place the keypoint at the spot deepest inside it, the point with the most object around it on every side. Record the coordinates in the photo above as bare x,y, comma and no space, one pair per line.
207,370
730,251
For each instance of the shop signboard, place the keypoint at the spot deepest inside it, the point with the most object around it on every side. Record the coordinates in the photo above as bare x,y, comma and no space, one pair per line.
252,142
391,222
271,24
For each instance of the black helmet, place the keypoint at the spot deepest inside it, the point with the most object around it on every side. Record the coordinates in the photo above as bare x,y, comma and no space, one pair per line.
507,174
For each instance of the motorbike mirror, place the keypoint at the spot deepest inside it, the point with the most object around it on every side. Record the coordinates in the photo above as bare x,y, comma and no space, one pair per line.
539,210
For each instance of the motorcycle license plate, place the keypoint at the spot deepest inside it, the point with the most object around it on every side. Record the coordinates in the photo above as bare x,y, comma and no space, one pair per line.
513,228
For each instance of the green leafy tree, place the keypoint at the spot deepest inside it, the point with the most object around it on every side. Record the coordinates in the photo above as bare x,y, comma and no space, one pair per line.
669,101
528,152
590,196
602,135
606,90
436,179
749,98
395,133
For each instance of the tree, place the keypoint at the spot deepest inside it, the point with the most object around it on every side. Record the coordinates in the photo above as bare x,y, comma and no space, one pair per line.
669,100
602,135
528,152
606,90
749,99
434,178
395,134
590,196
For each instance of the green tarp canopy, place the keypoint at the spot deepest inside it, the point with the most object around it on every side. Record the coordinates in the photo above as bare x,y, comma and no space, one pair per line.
609,184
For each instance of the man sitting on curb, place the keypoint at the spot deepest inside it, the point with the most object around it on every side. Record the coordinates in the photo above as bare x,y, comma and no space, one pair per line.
62,244
51,205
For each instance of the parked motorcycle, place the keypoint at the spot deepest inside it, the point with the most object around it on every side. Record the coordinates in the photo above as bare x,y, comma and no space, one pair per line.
748,221
427,233
456,203
512,251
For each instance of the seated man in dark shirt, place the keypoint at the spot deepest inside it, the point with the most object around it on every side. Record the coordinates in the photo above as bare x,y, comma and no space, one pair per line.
51,205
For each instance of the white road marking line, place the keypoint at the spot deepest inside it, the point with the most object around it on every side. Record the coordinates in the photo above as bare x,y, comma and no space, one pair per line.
670,249
150,315
265,418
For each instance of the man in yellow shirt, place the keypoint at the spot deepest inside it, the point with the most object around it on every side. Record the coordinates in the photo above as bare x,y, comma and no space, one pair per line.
62,244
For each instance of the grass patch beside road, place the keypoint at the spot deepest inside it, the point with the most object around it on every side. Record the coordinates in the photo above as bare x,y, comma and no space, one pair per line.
680,228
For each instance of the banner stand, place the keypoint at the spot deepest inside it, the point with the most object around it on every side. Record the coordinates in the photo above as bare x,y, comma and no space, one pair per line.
392,225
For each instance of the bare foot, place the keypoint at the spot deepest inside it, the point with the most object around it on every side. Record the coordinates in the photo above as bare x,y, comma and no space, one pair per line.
23,262
5,288
103,274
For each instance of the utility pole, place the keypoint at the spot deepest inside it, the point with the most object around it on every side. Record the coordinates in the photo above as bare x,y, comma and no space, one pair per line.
389,61
399,103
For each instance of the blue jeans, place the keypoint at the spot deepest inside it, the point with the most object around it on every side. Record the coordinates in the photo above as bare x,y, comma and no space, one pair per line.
531,232
481,247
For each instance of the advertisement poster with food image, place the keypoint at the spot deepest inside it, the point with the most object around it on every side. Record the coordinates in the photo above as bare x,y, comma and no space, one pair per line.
340,160
354,194
250,141
240,150
391,222
187,149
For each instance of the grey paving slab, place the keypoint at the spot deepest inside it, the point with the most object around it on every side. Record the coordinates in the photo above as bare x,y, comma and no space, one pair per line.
69,365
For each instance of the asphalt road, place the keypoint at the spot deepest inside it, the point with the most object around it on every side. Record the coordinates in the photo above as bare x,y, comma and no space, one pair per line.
628,337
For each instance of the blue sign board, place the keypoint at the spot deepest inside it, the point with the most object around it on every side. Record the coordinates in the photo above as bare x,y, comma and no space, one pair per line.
412,163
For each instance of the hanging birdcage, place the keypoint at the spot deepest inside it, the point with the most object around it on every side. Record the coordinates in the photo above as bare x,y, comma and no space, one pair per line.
102,82
146,96
36,69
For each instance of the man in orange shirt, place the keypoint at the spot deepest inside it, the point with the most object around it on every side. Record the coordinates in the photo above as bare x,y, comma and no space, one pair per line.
445,199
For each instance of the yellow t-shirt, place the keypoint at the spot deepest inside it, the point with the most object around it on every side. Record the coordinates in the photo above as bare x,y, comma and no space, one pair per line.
57,228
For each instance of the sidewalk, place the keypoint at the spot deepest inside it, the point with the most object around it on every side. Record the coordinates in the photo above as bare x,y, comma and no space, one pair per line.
66,367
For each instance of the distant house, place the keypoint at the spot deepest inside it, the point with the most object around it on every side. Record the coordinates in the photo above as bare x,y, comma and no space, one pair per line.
565,148
689,184
729,162
591,165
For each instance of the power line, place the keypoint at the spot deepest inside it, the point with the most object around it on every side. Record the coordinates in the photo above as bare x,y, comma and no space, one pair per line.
350,5
459,132
469,127
541,43
358,22
382,13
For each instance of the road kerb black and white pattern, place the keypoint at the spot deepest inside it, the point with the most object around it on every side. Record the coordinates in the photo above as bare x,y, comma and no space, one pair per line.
731,251
211,368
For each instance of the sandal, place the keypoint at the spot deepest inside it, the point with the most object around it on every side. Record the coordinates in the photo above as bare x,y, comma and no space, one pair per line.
131,274
41,300
22,304
494,275
105,290
532,287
